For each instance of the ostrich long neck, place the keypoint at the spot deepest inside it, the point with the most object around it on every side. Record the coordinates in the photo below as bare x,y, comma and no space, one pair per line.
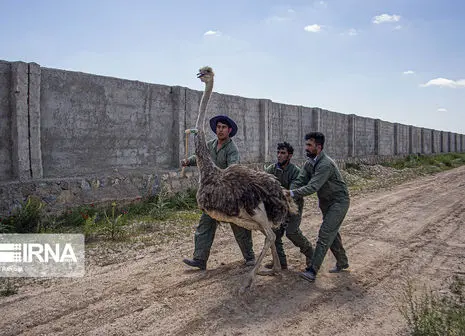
206,166
203,105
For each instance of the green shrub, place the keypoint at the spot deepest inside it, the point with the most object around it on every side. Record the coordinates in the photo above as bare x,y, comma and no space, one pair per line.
431,314
184,200
7,287
26,218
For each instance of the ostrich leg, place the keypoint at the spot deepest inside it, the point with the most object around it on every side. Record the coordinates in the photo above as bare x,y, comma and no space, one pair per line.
270,237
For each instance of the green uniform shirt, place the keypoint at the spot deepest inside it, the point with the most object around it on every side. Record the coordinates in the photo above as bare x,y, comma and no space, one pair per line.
227,155
285,176
322,177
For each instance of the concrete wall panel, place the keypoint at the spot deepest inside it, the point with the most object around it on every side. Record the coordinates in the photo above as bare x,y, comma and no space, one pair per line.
93,123
6,146
386,138
364,136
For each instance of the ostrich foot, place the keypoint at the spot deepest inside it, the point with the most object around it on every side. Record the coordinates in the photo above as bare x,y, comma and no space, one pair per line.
246,285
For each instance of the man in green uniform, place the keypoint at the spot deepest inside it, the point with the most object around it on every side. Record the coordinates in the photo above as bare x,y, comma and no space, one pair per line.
321,175
224,153
286,172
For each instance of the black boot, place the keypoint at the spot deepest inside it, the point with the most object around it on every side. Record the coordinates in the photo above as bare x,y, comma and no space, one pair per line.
201,264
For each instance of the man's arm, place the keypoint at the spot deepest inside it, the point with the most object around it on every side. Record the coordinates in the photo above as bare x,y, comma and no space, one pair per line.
233,155
320,177
294,175
301,179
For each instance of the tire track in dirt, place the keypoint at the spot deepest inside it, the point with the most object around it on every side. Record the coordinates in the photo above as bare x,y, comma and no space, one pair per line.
375,273
387,234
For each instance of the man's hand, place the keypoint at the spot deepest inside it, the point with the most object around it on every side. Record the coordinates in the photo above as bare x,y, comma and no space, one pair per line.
286,192
191,131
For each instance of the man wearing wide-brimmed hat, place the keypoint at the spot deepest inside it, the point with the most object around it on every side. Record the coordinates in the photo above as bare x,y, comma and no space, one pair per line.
224,153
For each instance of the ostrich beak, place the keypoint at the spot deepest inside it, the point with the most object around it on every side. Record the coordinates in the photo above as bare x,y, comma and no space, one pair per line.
200,75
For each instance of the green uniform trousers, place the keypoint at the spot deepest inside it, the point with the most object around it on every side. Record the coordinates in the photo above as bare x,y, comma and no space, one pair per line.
205,233
292,230
329,237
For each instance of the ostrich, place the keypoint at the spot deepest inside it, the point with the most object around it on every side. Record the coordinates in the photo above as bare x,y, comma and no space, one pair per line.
248,198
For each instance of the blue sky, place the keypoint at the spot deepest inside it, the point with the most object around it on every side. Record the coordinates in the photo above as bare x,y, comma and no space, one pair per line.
396,60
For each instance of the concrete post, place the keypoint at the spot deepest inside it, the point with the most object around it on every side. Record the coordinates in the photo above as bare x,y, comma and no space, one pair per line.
433,147
377,136
178,98
449,149
266,130
396,138
34,121
422,140
351,135
20,121
316,119
410,139
441,142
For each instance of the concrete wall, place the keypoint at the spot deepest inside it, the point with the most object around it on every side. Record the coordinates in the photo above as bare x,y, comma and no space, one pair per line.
286,125
426,141
403,140
6,145
444,142
335,127
57,125
452,142
415,139
436,141
91,123
386,138
364,136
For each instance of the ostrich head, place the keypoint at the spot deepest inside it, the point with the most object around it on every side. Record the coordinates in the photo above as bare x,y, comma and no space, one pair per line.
205,74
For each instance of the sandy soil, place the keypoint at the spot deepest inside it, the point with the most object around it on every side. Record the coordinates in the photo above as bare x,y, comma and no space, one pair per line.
414,230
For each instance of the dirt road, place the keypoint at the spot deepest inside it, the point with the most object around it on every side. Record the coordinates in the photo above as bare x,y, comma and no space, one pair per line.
413,230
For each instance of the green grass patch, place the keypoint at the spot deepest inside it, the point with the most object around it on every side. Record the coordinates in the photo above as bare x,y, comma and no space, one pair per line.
7,287
431,163
111,221
429,313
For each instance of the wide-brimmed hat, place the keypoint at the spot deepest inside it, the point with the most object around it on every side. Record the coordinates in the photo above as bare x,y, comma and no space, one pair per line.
225,120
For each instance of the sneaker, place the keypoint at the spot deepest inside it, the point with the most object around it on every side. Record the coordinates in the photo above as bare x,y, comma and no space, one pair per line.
195,263
337,269
270,266
250,262
308,275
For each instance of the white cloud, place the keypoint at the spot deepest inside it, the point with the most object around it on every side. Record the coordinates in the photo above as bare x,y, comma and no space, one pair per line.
212,33
314,28
409,72
321,4
386,18
399,27
444,82
442,109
